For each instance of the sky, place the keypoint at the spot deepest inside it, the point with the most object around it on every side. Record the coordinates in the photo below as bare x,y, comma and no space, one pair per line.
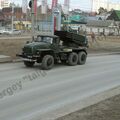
81,4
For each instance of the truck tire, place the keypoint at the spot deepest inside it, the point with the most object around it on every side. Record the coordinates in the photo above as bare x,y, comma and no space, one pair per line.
82,58
73,59
47,62
29,64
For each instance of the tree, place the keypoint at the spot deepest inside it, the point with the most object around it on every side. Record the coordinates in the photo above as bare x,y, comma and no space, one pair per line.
102,10
12,5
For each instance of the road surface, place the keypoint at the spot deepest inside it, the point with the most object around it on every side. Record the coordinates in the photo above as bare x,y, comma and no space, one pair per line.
32,94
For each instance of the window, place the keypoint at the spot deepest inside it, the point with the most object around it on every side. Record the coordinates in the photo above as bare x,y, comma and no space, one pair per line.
44,39
47,39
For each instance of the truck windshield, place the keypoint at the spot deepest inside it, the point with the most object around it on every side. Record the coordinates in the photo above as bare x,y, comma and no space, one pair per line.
45,39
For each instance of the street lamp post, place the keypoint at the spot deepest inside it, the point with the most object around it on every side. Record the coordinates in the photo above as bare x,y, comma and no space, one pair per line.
12,16
56,12
59,18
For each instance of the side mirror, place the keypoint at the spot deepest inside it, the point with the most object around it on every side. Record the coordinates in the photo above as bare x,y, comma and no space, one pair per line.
27,42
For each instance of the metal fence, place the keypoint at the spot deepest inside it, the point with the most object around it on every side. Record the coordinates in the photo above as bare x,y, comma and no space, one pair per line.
44,27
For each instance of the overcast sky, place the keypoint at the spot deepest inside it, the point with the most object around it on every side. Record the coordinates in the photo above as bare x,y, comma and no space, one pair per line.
81,4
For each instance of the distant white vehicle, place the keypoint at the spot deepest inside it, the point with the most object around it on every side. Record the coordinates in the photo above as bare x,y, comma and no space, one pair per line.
11,32
2,31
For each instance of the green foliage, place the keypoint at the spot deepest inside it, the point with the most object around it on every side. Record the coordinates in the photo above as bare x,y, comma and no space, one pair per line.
102,10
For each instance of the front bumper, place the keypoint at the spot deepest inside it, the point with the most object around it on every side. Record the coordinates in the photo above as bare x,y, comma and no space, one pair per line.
20,55
29,58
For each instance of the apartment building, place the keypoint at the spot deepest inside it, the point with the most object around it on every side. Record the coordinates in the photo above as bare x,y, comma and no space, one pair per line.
4,3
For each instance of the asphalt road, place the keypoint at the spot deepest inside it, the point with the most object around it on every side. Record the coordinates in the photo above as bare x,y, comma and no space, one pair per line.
32,94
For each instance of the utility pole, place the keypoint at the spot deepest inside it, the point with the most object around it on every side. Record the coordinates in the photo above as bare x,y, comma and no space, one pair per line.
32,18
108,5
24,7
91,5
12,16
59,17
66,12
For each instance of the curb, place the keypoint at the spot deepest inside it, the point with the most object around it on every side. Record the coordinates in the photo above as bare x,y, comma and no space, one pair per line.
5,59
17,60
103,54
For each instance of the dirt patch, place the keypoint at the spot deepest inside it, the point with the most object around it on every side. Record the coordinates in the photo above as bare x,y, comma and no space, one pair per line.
106,110
102,44
11,46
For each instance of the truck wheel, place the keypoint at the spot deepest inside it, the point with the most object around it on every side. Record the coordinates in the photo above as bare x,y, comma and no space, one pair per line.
82,58
29,64
47,62
73,59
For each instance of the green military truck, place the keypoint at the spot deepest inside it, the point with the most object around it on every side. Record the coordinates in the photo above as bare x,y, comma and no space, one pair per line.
64,47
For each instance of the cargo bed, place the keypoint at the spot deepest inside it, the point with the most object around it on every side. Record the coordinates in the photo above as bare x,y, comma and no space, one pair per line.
70,37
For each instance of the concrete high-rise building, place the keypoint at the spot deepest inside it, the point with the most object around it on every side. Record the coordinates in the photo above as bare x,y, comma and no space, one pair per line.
24,6
4,3
106,4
